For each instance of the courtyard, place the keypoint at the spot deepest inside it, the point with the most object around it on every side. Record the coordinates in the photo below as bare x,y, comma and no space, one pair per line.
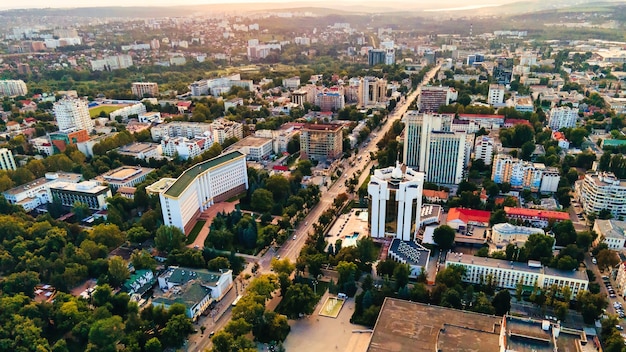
319,333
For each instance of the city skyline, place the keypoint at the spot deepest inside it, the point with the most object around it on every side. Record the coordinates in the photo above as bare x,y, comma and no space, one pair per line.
41,4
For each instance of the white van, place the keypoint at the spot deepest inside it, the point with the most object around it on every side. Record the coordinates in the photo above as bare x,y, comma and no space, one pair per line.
342,295
594,260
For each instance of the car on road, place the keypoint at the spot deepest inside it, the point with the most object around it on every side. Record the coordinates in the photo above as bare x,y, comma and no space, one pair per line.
294,237
212,333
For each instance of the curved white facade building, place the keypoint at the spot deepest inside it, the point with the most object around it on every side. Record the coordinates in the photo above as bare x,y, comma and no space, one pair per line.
201,186
505,233
396,202
602,190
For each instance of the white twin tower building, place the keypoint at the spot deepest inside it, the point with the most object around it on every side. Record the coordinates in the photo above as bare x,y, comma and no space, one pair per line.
396,202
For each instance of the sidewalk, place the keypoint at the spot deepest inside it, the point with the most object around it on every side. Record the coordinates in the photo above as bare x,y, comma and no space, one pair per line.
208,216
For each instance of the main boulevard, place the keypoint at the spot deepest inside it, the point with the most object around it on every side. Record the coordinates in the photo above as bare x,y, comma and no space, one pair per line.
291,248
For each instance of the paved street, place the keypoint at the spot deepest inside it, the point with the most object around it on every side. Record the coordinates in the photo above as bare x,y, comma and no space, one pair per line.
603,289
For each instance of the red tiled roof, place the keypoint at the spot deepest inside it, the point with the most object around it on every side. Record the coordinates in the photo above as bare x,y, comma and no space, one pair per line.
126,190
429,193
547,214
559,136
467,215
517,122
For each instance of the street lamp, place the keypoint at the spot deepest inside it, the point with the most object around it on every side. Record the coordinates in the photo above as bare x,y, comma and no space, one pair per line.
315,286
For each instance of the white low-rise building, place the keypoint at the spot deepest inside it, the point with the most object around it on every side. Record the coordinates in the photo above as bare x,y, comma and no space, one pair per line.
124,176
506,274
150,117
194,288
123,113
504,234
86,192
186,148
612,232
411,253
220,129
255,148
143,151
280,138
35,193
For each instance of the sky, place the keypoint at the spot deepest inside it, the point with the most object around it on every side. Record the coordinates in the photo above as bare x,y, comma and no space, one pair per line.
12,4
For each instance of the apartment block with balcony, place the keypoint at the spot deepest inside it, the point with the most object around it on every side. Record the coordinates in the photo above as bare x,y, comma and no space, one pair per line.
321,142
602,190
145,89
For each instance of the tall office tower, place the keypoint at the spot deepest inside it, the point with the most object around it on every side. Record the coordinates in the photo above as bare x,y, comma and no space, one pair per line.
376,57
562,117
72,114
396,202
432,148
432,98
372,91
12,87
445,158
496,94
390,52
142,89
6,160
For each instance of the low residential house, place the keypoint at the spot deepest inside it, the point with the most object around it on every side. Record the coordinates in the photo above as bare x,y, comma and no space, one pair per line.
194,288
460,218
435,196
139,283
612,232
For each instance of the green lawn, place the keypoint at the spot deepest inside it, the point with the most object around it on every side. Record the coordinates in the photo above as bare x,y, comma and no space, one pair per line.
195,231
95,112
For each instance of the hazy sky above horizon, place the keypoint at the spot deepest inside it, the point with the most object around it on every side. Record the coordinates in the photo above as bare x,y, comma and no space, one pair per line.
82,3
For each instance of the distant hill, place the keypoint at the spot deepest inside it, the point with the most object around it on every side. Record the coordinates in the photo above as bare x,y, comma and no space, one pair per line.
398,7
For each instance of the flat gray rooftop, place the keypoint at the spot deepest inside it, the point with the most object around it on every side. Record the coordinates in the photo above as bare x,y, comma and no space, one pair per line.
416,327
